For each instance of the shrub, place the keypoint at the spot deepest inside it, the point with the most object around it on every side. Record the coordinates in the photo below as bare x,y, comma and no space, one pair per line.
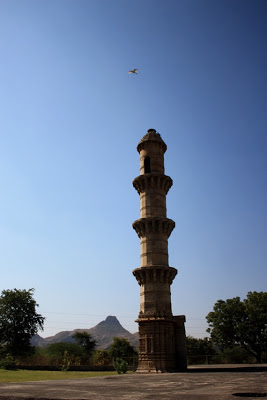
120,366
66,361
8,362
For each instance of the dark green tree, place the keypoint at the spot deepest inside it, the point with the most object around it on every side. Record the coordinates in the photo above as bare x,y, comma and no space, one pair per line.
19,321
244,323
59,349
121,348
120,366
85,340
199,347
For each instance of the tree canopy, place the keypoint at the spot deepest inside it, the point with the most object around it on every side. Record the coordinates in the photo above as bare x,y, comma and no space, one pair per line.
59,349
199,347
121,348
85,340
234,322
19,320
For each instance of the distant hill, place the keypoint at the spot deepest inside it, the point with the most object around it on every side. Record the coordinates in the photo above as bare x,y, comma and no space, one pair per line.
103,333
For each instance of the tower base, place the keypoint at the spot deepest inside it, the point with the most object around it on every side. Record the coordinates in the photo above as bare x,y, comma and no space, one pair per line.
162,345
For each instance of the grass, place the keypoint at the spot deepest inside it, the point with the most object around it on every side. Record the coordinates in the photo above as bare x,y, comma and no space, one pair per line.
21,375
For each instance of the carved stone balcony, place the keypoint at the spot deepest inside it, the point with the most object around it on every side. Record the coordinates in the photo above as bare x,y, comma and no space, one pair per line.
158,182
156,225
155,274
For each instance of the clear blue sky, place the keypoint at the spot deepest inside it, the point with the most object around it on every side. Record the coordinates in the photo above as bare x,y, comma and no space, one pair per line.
71,118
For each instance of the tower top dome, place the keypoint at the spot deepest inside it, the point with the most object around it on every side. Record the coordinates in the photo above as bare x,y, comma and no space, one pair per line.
151,136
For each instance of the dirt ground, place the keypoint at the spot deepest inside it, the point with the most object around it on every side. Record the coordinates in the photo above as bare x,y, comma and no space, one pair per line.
212,383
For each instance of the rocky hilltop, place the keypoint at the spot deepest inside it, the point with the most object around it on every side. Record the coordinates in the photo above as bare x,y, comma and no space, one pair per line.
103,333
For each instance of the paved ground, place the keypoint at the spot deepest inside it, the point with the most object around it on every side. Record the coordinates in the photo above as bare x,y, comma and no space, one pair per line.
197,383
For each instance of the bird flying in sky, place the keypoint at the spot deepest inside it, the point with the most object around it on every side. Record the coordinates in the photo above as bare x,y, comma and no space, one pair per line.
133,71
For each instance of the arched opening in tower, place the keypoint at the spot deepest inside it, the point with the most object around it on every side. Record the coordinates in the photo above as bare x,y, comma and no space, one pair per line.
147,165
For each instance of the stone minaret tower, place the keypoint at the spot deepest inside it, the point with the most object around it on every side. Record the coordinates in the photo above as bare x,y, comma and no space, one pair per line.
161,335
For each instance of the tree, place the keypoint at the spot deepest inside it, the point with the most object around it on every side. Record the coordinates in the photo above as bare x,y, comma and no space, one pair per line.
59,349
121,348
102,358
199,347
85,340
243,323
19,320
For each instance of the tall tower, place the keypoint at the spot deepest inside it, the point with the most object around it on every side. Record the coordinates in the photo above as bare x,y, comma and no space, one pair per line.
161,335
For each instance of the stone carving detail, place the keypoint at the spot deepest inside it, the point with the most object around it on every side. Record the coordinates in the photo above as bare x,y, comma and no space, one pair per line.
157,274
152,181
144,226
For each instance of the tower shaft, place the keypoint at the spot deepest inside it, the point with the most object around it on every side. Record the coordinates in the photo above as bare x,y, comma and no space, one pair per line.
158,329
